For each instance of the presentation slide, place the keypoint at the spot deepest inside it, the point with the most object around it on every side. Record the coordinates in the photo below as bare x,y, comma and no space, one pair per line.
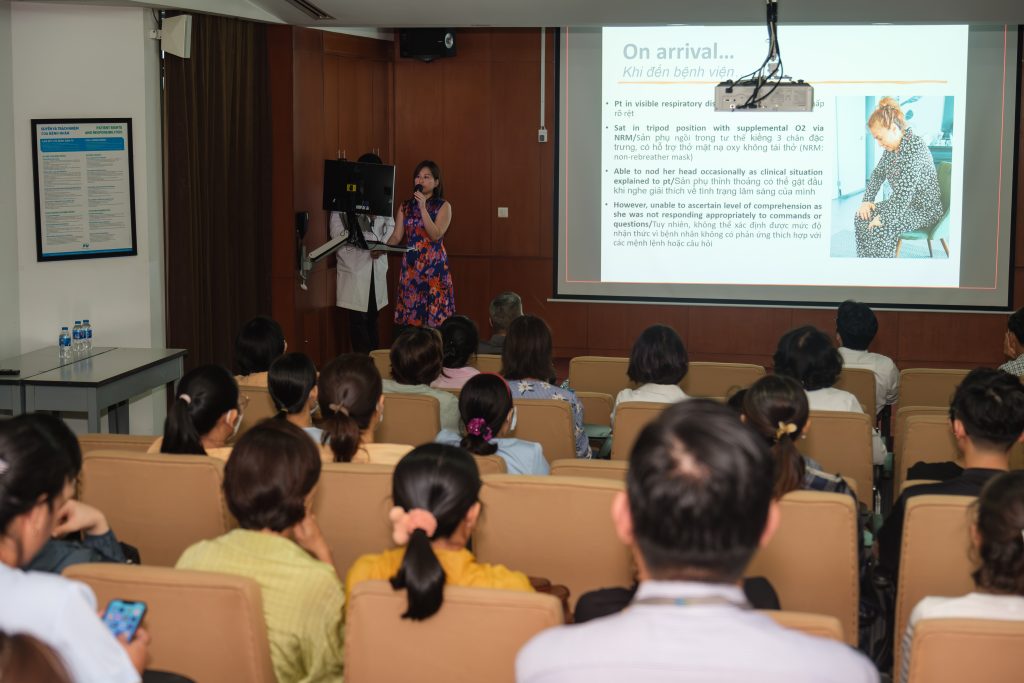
896,189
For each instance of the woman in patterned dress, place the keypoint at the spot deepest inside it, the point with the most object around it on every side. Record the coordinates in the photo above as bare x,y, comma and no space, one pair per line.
426,297
915,203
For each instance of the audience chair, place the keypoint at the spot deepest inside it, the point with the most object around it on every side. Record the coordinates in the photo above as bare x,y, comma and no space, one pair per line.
935,556
861,383
382,359
957,650
812,560
841,442
474,637
491,464
899,423
548,422
594,469
351,506
603,374
820,625
719,379
411,418
206,626
911,483
487,362
161,504
630,420
925,438
597,407
260,407
929,386
130,443
556,528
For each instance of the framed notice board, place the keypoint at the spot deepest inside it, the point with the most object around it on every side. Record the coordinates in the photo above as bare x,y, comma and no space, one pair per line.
84,181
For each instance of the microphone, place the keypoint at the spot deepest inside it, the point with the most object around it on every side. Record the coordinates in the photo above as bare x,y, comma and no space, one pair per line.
418,188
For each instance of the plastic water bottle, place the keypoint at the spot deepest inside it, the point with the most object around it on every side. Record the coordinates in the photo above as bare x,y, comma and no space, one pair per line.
87,334
76,338
64,344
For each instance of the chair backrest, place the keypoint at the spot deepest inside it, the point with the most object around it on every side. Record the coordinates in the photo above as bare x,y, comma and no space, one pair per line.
911,483
549,423
719,379
861,383
812,560
161,504
841,443
473,637
491,464
597,407
351,505
204,625
957,650
260,407
820,625
604,374
382,359
934,556
926,438
487,362
596,469
557,528
929,386
409,418
630,420
130,443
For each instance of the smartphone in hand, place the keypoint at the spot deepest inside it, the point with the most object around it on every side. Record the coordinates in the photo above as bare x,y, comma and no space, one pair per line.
123,616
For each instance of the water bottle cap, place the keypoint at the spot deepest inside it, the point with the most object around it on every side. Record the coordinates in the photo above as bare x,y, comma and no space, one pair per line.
86,320
78,322
64,328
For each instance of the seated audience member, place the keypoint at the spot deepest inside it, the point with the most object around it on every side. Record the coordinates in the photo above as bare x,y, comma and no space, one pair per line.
259,343
987,413
39,458
1013,344
526,364
504,308
856,327
806,354
488,417
416,361
698,504
95,543
657,364
459,339
436,493
352,405
206,413
268,485
292,384
24,659
776,408
999,580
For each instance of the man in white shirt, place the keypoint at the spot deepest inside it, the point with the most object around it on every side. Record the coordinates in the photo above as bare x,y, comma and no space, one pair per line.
856,327
699,504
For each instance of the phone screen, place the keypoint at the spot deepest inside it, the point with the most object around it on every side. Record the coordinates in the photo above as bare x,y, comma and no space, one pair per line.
123,616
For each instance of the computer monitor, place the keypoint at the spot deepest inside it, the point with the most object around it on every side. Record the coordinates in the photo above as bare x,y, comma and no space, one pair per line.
352,187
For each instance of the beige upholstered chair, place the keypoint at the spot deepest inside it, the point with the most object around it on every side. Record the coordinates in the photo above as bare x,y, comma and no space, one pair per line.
812,559
899,422
382,359
491,464
719,379
411,418
351,505
130,443
820,625
486,362
861,383
473,637
929,386
597,407
926,438
557,528
630,419
548,422
911,483
596,469
604,374
958,650
259,408
204,625
161,504
935,556
841,442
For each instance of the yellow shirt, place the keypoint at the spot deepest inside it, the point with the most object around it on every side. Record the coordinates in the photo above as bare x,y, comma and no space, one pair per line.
221,453
302,599
460,569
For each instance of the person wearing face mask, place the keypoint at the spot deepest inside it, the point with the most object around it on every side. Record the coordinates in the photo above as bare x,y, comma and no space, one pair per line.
206,413
426,297
908,167
488,418
292,385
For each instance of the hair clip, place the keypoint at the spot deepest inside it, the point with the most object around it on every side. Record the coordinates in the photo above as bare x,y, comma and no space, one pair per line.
186,398
478,427
404,523
784,429
338,408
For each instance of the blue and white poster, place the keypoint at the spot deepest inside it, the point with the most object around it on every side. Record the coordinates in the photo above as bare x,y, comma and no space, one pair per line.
84,188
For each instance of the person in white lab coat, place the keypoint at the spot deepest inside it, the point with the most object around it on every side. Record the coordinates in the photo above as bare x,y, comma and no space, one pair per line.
362,275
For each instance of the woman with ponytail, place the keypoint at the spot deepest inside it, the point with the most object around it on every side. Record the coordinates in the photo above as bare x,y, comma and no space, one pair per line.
292,385
351,404
998,539
488,417
436,493
459,340
776,407
206,412
907,165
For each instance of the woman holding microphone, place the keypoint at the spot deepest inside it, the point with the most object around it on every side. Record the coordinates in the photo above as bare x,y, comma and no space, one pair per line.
426,297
